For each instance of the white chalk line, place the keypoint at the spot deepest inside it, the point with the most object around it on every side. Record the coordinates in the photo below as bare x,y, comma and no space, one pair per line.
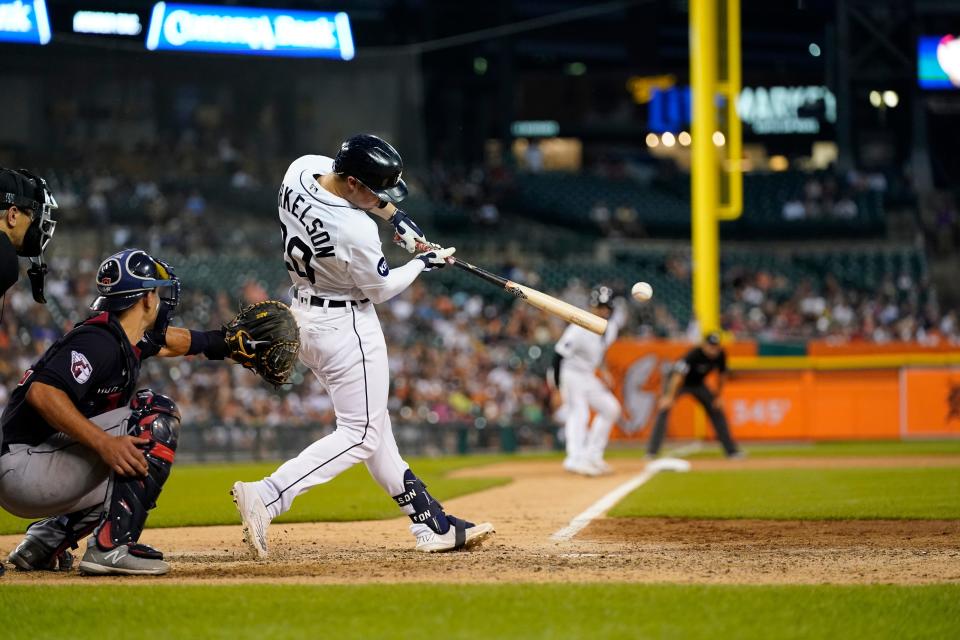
607,502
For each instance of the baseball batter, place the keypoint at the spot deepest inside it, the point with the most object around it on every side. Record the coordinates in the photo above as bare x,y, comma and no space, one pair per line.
579,354
331,248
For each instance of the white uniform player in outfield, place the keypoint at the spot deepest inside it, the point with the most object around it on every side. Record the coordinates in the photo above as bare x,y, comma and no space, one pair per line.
579,354
332,250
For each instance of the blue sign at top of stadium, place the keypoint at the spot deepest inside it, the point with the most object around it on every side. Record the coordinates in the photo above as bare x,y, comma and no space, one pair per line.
24,22
249,30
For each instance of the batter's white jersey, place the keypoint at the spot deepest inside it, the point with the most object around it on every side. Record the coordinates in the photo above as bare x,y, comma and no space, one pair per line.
583,350
332,251
331,248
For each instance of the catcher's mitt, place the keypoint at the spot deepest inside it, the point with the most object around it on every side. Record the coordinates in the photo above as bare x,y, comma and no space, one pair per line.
265,337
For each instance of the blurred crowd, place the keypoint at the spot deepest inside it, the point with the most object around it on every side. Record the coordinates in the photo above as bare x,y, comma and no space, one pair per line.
454,359
765,305
459,358
832,197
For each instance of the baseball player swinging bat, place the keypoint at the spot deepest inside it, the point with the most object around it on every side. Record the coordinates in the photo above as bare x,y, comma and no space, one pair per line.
540,300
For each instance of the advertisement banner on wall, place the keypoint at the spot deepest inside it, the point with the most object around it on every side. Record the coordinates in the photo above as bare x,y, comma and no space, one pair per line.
796,404
24,22
249,31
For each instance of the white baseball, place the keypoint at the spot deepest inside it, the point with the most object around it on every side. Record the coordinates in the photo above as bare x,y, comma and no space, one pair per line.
641,291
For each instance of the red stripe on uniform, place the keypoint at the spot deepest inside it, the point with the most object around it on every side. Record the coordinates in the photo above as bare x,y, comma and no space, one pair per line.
162,451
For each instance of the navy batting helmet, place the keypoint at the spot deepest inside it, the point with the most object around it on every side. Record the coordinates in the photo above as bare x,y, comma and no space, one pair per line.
128,275
374,163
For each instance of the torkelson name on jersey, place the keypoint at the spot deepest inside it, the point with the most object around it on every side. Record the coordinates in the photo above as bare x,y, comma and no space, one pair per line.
314,228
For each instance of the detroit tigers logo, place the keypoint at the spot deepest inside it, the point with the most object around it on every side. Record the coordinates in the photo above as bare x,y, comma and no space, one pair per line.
80,367
383,268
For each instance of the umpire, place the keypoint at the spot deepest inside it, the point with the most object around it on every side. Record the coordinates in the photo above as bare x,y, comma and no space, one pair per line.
689,375
26,207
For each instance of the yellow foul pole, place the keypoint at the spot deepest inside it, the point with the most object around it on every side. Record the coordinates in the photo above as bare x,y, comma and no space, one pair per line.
716,146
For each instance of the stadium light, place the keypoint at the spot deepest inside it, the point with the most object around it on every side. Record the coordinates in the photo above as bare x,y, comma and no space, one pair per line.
890,98
876,99
668,139
684,139
652,140
719,139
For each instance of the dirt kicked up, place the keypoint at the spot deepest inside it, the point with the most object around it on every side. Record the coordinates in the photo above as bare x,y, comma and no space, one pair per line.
541,500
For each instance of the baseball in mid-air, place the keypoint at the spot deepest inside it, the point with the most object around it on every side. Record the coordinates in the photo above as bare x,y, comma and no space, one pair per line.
641,291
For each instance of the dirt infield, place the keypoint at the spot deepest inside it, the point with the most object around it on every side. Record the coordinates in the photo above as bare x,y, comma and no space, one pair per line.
543,499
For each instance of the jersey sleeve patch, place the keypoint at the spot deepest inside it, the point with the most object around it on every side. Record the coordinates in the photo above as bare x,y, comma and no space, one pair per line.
383,268
80,367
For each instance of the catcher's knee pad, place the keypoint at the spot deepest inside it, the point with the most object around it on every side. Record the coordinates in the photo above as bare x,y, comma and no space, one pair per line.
426,510
155,417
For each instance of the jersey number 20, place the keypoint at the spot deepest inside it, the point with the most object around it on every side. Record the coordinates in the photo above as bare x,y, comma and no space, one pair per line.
299,265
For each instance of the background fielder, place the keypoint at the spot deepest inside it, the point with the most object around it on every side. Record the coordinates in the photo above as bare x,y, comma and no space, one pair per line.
333,254
579,353
689,376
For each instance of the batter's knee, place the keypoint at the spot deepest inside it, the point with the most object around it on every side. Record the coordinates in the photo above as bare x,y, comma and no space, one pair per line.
609,408
369,443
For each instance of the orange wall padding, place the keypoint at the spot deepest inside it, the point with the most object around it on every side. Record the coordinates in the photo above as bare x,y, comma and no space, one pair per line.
792,405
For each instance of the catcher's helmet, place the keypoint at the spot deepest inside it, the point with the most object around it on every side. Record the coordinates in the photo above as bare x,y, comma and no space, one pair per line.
374,163
128,275
602,297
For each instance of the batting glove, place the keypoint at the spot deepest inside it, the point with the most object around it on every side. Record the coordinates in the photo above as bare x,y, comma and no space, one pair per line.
436,258
408,232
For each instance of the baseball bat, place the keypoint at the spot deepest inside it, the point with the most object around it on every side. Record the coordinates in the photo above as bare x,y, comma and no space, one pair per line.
540,300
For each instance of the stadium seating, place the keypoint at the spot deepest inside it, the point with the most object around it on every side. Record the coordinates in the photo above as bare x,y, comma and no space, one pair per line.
663,206
864,268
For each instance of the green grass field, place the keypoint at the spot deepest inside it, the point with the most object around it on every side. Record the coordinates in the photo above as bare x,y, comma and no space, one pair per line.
199,494
484,611
799,494
858,448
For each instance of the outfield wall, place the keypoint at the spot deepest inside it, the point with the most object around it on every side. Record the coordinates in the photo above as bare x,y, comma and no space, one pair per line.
900,392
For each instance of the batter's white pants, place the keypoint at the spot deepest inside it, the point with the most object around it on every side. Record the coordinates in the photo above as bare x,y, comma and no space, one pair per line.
583,391
345,349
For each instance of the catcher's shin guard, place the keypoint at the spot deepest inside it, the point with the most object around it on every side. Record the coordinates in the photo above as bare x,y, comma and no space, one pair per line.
426,510
157,418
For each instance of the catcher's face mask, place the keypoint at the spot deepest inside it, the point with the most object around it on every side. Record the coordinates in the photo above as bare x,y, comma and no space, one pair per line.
30,192
167,286
38,199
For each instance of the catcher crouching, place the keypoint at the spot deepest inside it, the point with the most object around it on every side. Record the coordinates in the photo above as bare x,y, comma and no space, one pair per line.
87,452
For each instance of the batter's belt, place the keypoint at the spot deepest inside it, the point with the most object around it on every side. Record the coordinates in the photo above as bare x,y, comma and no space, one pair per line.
316,301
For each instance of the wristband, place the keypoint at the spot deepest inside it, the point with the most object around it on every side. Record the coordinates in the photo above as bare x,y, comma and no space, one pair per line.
212,344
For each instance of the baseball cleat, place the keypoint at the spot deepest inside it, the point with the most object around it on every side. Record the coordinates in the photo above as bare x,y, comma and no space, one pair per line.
582,468
132,559
461,535
601,467
253,515
33,555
